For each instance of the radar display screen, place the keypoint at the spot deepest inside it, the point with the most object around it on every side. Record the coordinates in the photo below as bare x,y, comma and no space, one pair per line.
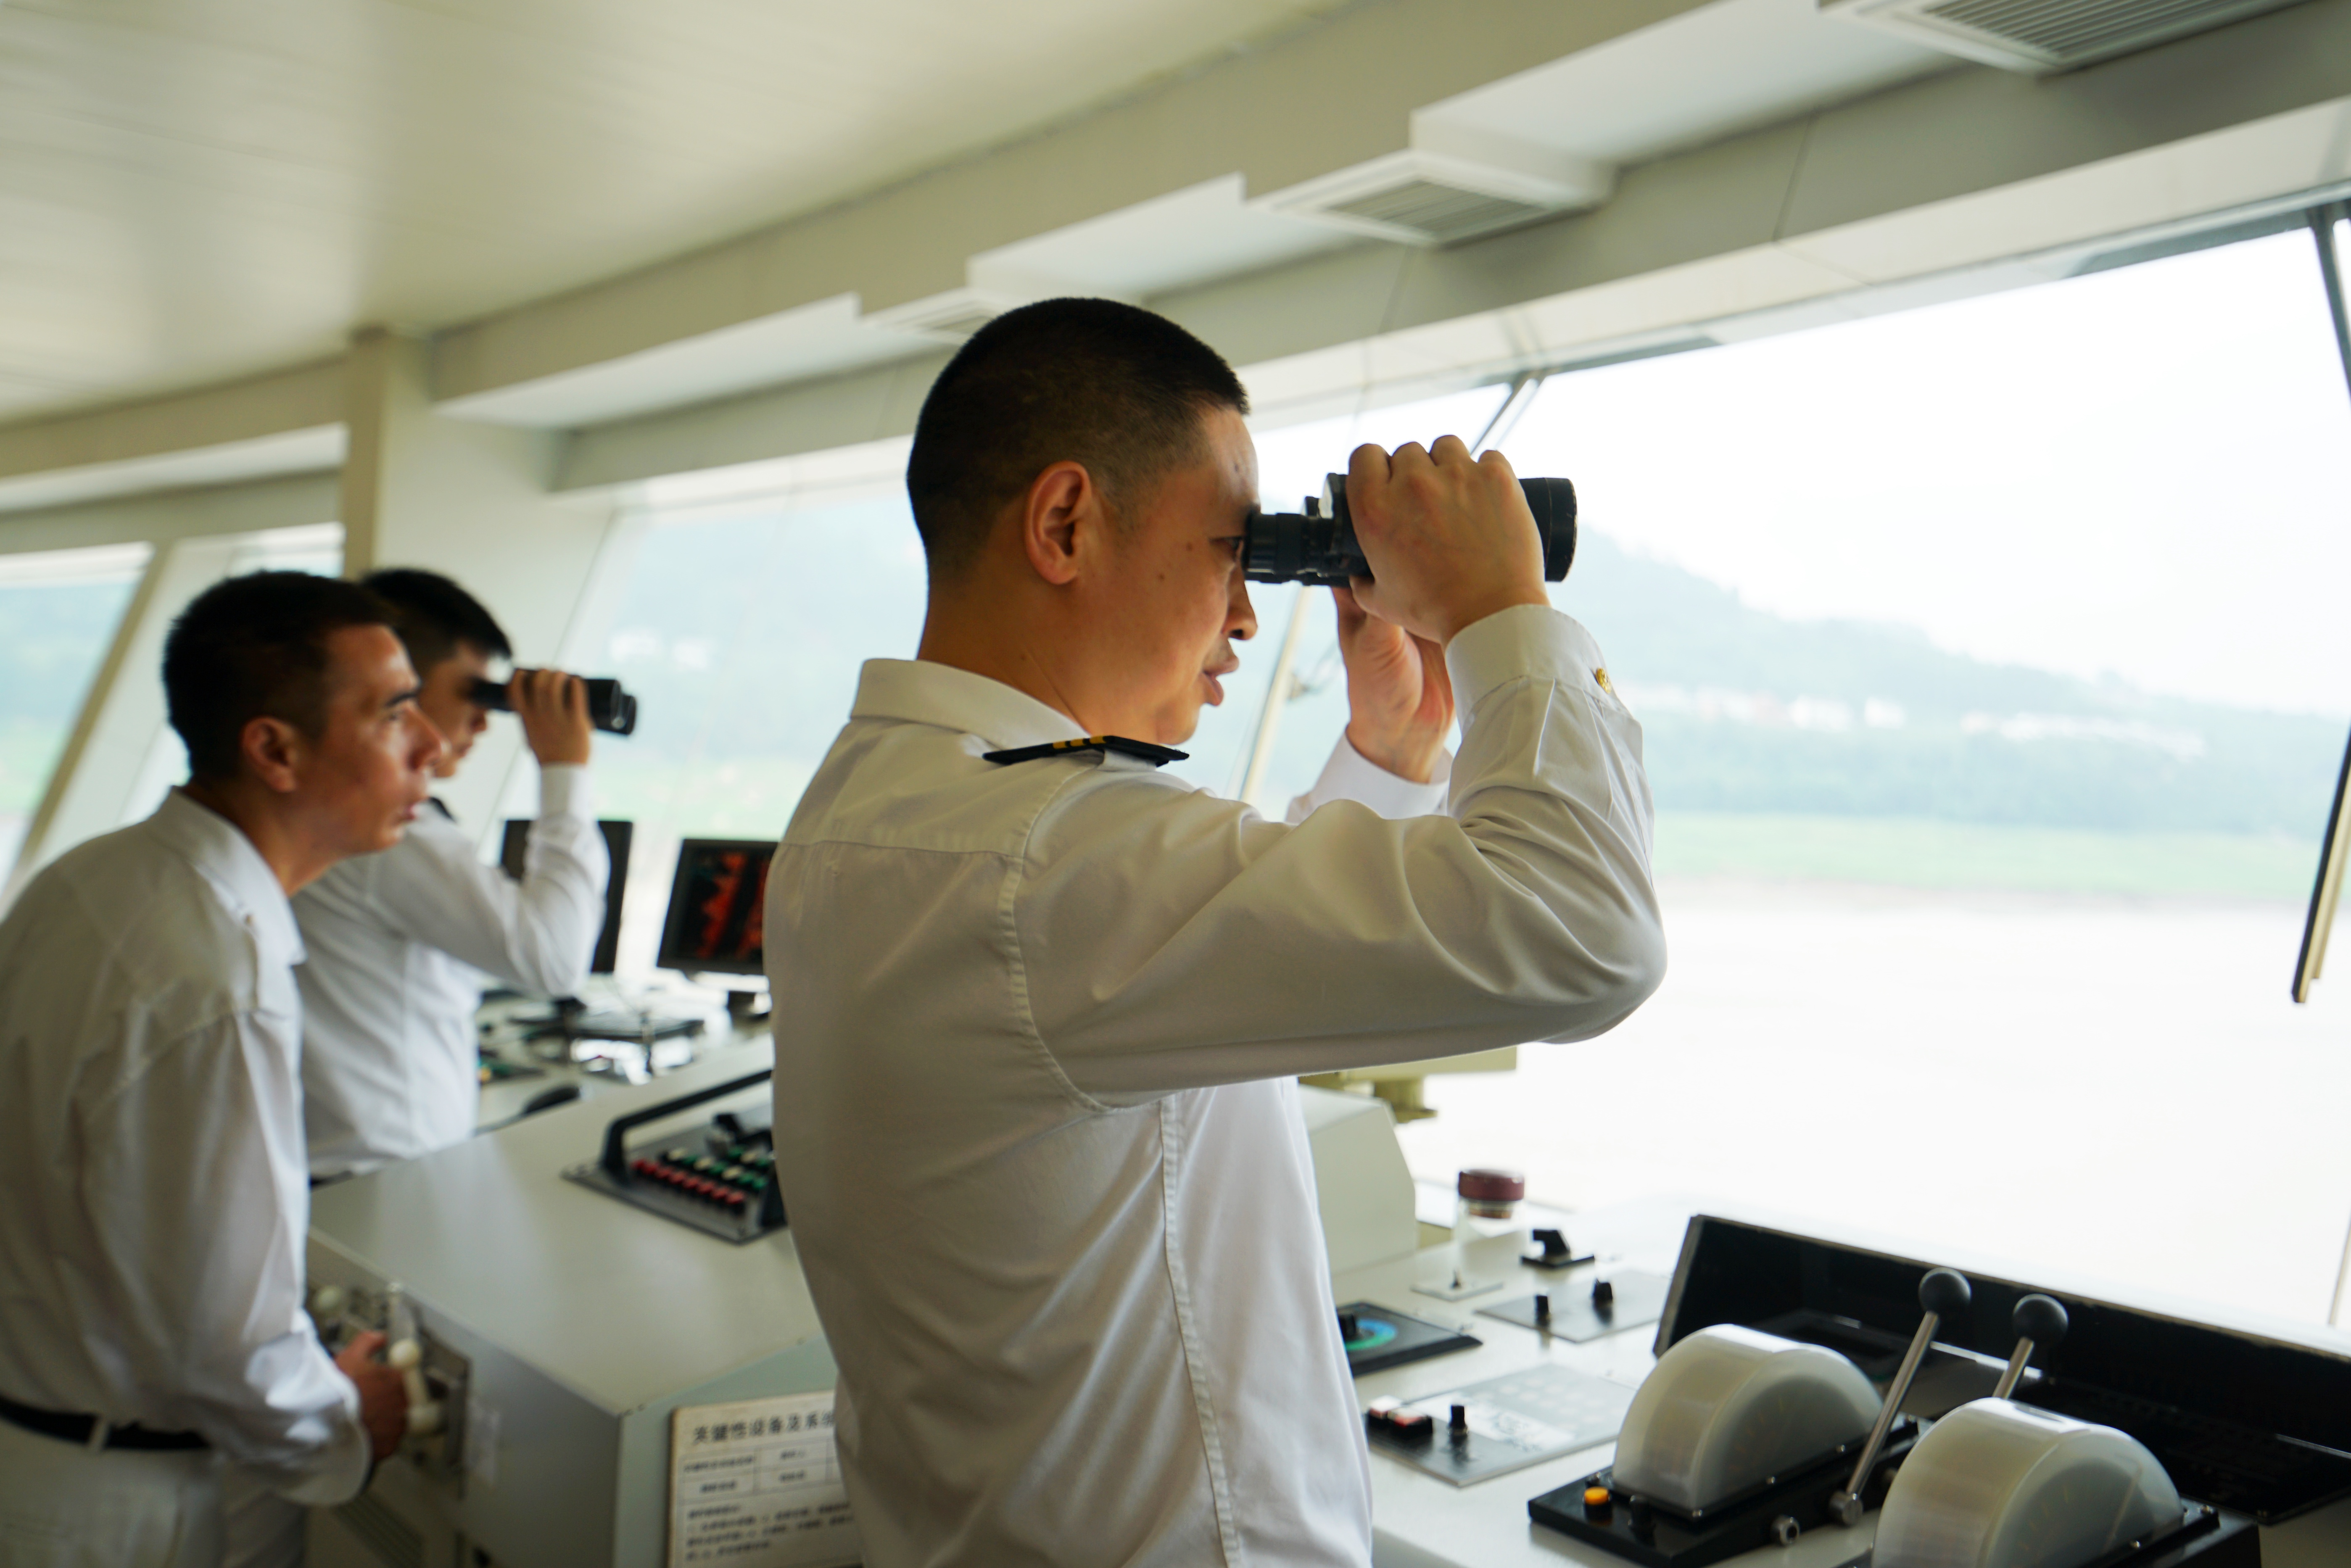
717,907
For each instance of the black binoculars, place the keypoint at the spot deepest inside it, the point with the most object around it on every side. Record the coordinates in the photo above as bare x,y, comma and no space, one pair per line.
610,708
1318,545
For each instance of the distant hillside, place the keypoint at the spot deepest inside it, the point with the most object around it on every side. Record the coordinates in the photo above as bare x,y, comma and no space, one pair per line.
1747,712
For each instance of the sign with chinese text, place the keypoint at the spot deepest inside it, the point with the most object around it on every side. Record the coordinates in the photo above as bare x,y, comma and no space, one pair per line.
756,1485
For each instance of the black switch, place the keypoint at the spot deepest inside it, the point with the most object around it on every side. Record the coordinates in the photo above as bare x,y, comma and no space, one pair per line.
1603,1294
1350,1328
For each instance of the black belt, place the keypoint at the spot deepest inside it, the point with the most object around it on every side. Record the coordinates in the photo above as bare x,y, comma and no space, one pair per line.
77,1428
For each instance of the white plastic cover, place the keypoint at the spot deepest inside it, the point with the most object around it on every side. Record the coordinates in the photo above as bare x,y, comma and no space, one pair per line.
2001,1485
1730,1407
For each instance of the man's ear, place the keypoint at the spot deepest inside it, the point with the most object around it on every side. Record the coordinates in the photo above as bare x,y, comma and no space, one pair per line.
274,750
1059,515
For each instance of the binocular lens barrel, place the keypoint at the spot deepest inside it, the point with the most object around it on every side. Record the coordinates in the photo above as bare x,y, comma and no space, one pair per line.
610,708
1318,545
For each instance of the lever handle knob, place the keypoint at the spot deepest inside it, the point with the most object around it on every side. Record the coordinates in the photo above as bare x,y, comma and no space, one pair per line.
2042,1319
424,1410
1944,1292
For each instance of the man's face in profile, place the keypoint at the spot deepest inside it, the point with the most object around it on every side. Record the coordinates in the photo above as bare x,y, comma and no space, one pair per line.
369,769
1179,566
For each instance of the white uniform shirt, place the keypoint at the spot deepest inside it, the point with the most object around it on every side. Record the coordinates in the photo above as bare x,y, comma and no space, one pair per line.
399,943
1035,1124
151,1149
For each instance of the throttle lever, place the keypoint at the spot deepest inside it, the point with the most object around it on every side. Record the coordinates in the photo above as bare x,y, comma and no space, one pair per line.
2039,1320
1942,1292
424,1410
406,1354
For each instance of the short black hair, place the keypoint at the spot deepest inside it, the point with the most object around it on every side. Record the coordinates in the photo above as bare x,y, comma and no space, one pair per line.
1095,381
433,615
255,647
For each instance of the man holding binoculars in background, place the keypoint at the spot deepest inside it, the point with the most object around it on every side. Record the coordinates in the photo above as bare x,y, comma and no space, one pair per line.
399,942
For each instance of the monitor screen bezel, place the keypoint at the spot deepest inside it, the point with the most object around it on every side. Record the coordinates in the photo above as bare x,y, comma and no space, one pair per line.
672,918
620,835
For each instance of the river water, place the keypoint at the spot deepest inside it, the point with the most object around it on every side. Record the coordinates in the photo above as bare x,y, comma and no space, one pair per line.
2119,1087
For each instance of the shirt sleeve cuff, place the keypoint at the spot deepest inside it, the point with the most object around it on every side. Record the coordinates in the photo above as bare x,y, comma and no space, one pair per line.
564,790
1349,775
1526,642
347,1466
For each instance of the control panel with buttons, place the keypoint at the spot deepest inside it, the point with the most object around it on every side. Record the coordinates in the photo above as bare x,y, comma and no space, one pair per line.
719,1179
732,1178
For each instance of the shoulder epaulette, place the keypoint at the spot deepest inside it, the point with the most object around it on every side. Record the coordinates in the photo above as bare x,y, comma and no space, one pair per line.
1157,756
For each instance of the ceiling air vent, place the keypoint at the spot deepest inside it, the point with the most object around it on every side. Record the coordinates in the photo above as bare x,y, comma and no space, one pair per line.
1426,197
2045,35
1437,212
952,316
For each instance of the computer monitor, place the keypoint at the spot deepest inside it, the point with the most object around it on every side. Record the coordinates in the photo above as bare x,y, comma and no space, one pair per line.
617,839
2332,855
717,907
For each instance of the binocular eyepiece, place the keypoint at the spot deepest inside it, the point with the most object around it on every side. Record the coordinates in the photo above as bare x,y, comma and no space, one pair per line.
1318,545
610,708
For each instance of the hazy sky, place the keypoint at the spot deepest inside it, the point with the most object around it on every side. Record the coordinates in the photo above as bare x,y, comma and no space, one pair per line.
2135,472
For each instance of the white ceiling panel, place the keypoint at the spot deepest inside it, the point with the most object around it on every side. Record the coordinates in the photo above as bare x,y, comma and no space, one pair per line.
1708,73
317,451
195,189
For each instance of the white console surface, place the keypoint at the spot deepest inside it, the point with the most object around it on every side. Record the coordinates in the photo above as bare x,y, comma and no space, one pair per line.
622,1305
1420,1521
588,1321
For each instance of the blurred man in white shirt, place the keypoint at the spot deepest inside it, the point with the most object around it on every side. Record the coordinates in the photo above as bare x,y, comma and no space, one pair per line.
400,942
1035,1119
151,1319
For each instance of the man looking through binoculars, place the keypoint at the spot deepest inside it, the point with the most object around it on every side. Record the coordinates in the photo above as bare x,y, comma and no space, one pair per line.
1036,1120
399,942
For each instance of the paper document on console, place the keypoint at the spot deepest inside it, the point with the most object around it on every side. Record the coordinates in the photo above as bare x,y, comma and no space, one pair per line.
757,1485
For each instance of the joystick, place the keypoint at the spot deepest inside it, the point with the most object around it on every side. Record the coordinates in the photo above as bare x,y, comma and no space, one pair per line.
1997,1482
424,1410
2039,1320
1942,1292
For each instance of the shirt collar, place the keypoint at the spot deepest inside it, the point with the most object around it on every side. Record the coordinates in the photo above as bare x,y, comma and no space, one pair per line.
920,692
226,858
